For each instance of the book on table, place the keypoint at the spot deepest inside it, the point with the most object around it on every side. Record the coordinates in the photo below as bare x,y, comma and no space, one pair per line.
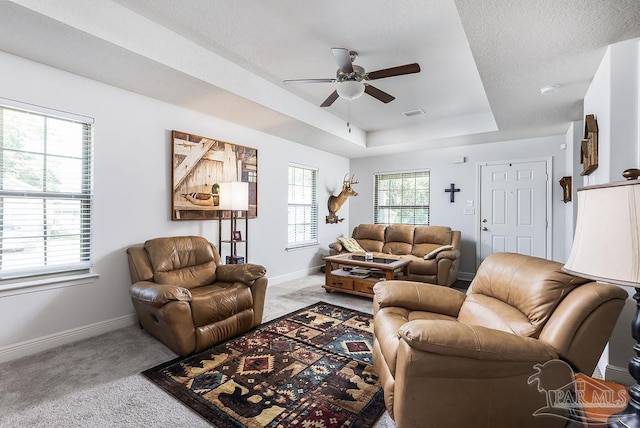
360,272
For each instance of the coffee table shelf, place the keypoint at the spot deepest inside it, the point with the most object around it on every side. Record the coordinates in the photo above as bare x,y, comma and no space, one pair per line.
341,280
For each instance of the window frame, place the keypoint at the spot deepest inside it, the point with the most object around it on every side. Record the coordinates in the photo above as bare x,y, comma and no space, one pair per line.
403,175
69,272
313,205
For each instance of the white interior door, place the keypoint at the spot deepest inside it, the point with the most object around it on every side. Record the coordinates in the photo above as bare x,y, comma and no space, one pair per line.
513,208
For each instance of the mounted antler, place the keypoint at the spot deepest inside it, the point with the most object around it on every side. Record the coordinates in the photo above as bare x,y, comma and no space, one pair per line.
335,202
351,181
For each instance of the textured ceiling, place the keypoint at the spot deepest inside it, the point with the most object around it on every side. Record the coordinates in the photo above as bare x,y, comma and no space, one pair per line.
482,62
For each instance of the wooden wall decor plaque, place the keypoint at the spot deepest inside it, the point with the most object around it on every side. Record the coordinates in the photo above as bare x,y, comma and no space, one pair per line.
589,146
565,183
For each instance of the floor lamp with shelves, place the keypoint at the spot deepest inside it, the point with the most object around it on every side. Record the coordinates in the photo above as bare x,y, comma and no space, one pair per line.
234,197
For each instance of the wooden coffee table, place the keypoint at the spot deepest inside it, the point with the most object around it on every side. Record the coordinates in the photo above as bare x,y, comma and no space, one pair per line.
382,267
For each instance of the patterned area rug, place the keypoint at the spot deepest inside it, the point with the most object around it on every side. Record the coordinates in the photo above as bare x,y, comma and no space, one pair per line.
311,368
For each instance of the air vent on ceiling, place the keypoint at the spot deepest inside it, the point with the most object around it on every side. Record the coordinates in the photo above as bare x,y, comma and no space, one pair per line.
412,113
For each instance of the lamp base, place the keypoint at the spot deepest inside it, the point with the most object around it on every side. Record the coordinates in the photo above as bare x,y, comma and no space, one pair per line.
630,416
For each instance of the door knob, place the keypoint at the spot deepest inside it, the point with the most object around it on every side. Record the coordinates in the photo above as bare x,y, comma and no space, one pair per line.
485,229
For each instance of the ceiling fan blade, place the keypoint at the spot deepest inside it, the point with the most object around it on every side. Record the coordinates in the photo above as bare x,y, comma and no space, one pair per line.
330,99
290,81
343,59
378,94
394,71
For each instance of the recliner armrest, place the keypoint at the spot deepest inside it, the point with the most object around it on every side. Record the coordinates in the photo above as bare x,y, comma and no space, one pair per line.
418,296
158,295
457,339
245,273
449,254
336,246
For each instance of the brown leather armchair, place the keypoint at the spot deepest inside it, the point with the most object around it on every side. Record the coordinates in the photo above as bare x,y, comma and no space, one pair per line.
449,359
186,298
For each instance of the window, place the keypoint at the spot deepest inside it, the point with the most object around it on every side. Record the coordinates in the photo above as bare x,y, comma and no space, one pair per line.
402,198
303,206
45,191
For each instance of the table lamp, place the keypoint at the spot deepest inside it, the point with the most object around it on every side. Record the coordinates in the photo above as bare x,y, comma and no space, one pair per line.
606,248
234,197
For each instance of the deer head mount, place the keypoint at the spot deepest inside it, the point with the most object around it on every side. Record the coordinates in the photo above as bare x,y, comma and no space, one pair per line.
336,202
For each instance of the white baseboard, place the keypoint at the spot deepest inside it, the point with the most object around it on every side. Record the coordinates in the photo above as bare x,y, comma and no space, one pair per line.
466,276
274,280
33,346
618,375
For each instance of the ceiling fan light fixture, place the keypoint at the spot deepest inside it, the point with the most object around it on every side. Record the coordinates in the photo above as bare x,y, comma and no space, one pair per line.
350,90
350,78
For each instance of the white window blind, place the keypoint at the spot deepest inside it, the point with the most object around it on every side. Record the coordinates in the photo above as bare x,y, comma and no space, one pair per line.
402,198
303,206
45,191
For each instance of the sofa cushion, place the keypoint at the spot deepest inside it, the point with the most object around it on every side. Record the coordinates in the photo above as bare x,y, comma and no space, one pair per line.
428,238
421,250
370,236
398,239
434,253
351,245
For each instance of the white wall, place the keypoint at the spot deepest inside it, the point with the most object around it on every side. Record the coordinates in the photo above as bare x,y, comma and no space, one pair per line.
614,97
464,175
132,201
573,168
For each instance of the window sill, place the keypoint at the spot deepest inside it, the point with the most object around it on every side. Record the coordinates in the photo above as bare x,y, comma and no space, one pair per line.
302,247
37,285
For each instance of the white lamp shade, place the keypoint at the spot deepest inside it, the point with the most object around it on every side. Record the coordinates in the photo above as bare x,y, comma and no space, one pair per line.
234,196
606,245
350,89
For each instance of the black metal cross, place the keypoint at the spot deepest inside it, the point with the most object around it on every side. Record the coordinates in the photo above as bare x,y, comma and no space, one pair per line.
452,189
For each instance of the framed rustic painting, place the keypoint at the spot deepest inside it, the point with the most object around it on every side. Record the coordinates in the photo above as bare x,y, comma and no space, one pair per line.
199,165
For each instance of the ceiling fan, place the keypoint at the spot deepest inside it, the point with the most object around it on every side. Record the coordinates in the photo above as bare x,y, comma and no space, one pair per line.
351,78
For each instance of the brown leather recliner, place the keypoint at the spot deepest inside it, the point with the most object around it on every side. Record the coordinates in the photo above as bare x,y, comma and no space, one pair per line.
449,359
186,298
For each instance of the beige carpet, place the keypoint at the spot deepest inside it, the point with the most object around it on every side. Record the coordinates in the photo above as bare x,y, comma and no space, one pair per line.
96,382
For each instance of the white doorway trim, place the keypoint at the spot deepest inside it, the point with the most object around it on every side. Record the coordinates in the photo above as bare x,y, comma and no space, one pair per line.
549,202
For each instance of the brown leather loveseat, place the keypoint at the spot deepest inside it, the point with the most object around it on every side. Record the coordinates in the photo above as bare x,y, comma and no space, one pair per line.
186,298
449,359
414,243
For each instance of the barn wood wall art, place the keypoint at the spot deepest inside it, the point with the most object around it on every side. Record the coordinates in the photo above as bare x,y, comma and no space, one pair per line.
199,165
